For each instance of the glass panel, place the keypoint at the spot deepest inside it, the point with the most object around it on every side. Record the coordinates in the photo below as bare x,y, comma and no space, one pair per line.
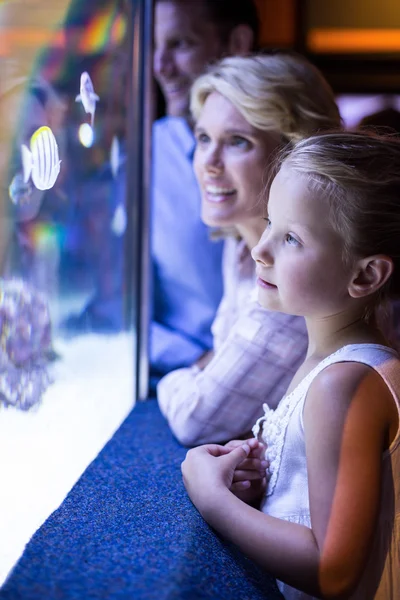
71,246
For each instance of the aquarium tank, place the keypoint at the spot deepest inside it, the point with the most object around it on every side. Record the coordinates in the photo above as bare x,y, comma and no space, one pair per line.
73,244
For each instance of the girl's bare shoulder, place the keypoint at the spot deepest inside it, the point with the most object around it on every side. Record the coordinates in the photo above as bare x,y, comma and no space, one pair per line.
350,384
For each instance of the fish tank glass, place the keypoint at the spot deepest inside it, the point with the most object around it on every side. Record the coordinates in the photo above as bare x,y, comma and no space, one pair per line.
72,245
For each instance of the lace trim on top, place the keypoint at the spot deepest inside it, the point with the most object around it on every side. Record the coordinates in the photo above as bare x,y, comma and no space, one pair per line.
272,426
271,430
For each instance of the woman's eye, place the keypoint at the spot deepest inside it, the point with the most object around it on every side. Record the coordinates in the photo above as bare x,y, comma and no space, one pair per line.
202,138
291,240
239,142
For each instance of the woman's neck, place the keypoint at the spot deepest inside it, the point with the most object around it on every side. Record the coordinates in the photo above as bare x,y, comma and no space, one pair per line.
251,231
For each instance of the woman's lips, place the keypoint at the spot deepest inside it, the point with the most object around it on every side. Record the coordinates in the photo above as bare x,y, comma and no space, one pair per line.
265,284
218,194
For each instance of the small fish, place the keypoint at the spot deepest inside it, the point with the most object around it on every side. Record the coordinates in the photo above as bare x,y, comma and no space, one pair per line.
87,95
118,223
115,156
20,191
41,161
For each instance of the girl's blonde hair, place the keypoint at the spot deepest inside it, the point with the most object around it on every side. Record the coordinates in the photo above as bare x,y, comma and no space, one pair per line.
280,92
359,174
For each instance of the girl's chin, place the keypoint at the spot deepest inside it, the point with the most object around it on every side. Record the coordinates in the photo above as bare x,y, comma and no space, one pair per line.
265,301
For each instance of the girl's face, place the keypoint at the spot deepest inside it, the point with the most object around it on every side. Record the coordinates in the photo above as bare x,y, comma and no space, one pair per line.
230,162
299,257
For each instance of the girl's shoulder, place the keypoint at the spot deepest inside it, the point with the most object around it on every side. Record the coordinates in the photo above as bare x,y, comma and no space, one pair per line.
342,372
342,380
348,390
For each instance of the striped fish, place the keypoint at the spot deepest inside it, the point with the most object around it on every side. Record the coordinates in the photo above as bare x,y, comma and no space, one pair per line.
41,162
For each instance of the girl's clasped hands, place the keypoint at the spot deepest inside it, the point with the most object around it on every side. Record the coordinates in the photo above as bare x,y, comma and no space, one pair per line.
239,467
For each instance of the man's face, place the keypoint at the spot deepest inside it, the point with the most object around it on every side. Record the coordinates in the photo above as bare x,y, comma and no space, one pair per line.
184,44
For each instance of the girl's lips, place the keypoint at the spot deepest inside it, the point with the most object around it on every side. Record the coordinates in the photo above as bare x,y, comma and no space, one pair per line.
264,284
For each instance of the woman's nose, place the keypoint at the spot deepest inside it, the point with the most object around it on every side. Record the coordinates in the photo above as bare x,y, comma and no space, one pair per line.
213,161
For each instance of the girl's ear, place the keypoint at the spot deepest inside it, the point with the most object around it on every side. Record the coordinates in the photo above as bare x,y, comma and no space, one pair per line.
371,274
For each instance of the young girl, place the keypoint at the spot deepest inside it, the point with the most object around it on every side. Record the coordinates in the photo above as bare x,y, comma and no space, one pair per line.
329,521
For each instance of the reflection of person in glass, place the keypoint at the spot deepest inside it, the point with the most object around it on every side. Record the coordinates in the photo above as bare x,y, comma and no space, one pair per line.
187,281
34,178
189,34
25,323
246,109
43,109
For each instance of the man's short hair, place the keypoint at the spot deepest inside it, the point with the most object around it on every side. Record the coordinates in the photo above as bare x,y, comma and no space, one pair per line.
227,14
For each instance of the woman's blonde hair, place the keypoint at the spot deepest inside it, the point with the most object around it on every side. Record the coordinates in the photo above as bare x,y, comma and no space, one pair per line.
280,92
359,175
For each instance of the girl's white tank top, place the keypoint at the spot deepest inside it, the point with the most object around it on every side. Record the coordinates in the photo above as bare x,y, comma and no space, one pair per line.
287,493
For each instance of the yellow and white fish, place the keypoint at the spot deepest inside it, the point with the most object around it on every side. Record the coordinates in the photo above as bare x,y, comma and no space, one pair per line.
87,95
41,161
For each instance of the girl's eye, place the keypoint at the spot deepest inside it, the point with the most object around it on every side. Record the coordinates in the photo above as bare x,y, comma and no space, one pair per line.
240,142
267,222
291,240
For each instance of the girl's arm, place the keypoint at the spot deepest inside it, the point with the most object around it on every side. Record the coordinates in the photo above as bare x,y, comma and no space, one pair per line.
346,420
288,551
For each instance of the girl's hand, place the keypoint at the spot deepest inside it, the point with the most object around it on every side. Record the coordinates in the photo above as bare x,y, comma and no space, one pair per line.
250,477
209,470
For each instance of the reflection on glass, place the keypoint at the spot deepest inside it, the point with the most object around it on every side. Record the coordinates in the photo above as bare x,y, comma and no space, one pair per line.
66,349
356,107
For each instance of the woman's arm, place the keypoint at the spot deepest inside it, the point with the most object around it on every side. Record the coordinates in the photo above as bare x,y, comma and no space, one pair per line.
255,364
345,420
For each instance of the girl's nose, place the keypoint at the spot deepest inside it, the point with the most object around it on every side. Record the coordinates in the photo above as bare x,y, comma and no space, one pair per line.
261,253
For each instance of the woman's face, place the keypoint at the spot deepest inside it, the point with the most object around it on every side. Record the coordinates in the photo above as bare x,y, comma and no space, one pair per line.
231,164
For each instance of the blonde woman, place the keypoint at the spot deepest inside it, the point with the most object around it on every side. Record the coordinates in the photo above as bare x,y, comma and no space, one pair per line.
245,109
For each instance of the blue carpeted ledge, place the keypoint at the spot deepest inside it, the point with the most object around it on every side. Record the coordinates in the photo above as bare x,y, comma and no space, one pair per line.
127,530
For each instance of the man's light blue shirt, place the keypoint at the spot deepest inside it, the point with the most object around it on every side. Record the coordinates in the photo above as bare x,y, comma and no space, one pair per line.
187,283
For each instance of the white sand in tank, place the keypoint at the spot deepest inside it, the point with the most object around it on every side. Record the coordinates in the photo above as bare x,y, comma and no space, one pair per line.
44,451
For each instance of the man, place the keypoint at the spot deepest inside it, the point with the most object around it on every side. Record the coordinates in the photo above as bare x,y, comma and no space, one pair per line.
189,34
